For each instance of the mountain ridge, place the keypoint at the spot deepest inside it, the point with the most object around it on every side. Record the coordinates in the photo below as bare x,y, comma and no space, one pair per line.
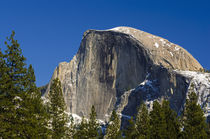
110,63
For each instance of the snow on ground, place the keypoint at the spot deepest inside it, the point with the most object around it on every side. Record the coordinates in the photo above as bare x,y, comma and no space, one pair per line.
45,100
78,119
75,116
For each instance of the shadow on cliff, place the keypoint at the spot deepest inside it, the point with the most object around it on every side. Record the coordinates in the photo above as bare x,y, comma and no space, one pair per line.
161,84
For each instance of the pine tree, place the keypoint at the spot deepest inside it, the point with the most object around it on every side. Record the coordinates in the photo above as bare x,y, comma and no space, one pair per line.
82,130
143,122
172,122
57,110
194,120
93,125
4,108
2,71
71,128
88,129
208,130
130,132
113,129
36,112
13,72
18,118
158,124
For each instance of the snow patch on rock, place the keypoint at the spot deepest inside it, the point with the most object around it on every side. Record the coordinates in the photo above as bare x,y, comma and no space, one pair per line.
201,82
156,45
171,54
176,48
163,41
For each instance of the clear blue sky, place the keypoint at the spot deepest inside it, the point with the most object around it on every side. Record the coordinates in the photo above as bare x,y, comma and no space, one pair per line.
50,31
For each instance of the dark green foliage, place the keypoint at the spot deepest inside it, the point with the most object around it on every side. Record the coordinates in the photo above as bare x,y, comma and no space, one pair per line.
3,74
3,103
93,125
113,129
89,129
194,120
21,111
163,124
35,112
57,110
82,130
208,130
16,68
172,122
158,124
143,122
130,132
72,128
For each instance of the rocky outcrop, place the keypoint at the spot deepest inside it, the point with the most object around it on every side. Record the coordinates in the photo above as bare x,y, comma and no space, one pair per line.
119,68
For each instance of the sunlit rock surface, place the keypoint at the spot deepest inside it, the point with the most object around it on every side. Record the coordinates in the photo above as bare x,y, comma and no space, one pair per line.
120,67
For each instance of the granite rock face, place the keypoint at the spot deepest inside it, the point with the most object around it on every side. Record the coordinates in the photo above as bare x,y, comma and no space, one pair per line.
163,52
120,67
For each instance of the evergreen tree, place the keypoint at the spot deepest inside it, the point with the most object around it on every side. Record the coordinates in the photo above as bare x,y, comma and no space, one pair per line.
36,114
130,132
208,130
93,125
4,108
82,130
71,128
172,122
158,124
194,120
12,76
89,129
57,110
3,70
16,108
113,129
143,122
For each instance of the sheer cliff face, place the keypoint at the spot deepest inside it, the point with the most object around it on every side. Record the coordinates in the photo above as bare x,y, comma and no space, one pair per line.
118,68
106,64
